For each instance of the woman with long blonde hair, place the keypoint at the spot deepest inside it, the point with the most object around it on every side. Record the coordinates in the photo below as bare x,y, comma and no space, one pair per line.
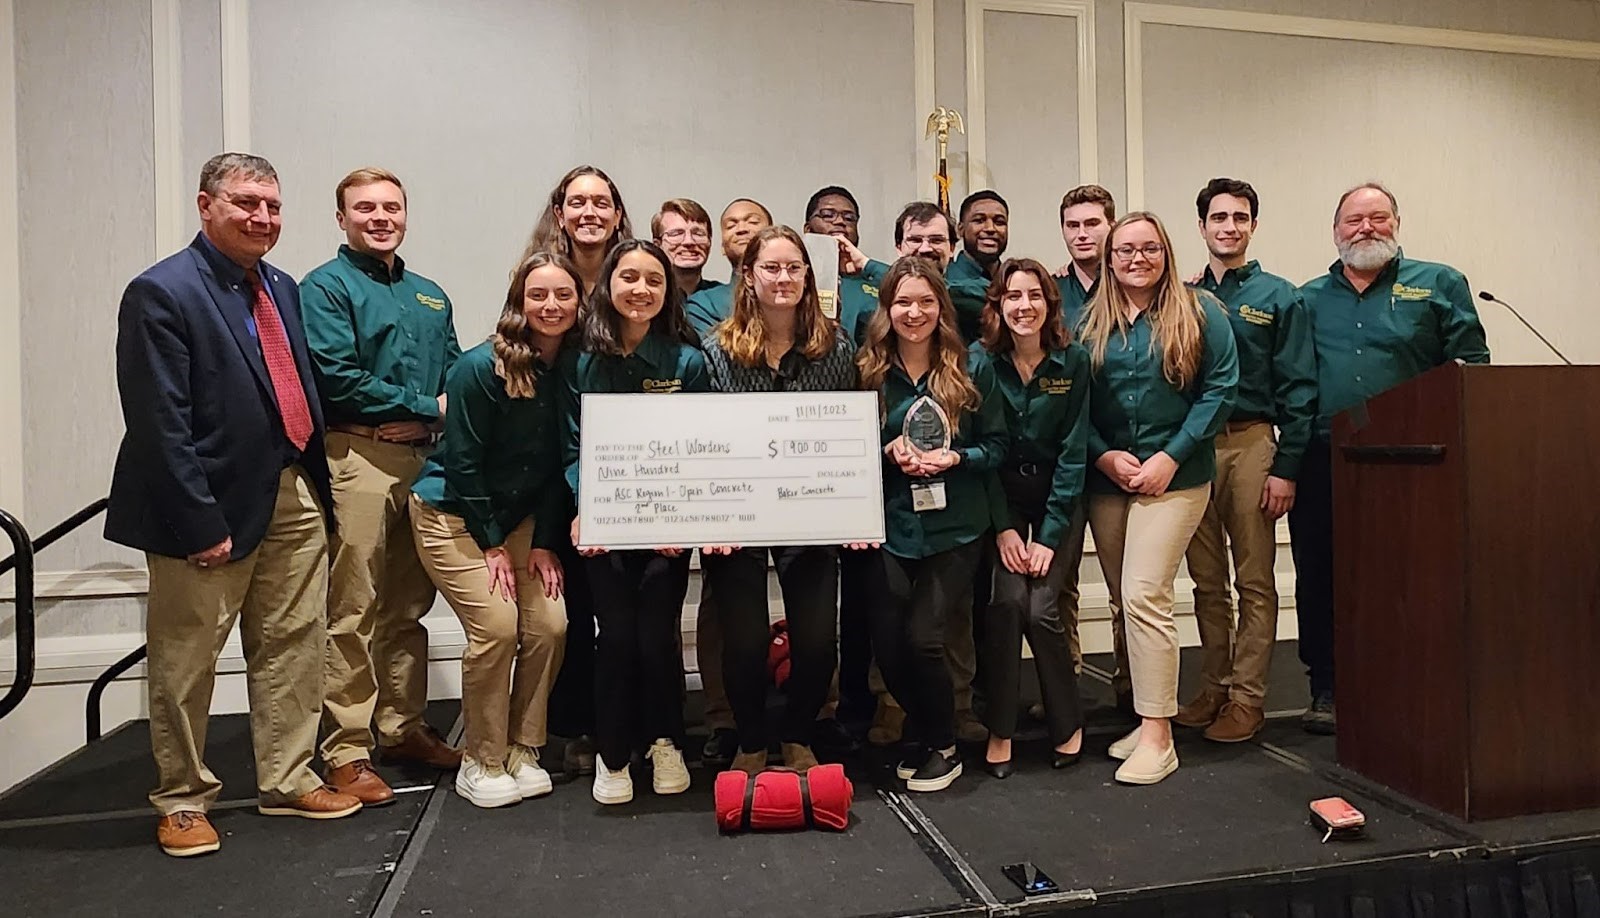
777,339
1165,372
488,512
938,503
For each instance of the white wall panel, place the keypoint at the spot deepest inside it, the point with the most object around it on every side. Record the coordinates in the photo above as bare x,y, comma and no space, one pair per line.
1490,154
481,107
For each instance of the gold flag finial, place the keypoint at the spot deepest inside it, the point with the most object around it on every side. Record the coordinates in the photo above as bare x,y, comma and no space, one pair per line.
940,122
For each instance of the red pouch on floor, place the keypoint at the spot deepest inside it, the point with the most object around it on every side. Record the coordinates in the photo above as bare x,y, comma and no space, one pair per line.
778,799
778,653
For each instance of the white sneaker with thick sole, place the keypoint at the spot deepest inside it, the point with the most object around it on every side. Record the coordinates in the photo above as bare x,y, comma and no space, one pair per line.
1148,765
1122,748
523,766
484,786
670,775
611,787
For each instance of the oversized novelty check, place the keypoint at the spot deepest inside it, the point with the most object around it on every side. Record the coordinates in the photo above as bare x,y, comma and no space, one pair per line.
770,468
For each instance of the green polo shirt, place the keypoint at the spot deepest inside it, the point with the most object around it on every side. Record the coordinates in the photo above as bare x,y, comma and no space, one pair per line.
500,459
1074,296
381,341
1048,419
858,301
1132,407
708,305
1414,317
973,496
658,365
968,285
1277,361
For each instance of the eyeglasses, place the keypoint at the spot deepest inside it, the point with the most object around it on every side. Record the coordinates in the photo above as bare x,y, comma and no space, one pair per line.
678,235
829,215
1150,250
251,203
771,270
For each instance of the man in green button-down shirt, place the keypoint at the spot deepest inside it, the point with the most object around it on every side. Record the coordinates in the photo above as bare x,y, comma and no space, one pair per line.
381,338
833,211
1379,318
1255,481
984,224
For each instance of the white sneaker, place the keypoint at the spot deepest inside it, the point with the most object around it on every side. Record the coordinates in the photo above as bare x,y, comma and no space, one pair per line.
486,785
611,786
1148,765
1124,747
523,766
670,776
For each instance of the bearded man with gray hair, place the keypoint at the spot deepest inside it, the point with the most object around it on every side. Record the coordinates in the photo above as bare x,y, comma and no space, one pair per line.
1379,319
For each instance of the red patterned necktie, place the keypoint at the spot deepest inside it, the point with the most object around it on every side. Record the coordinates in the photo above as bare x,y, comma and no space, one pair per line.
275,350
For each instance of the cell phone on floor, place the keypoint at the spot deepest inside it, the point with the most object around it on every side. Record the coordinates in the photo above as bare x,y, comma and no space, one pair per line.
1337,818
1030,879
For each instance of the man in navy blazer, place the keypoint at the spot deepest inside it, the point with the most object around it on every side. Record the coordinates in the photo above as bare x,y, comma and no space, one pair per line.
222,481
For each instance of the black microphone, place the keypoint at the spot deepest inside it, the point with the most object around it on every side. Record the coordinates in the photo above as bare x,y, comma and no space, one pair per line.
1486,295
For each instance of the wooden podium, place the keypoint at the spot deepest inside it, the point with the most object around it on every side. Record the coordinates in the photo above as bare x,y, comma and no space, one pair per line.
1467,588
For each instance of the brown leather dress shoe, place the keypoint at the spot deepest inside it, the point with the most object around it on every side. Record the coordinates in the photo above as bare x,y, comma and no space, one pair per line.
798,757
1202,710
359,781
1237,723
186,834
322,803
424,746
751,763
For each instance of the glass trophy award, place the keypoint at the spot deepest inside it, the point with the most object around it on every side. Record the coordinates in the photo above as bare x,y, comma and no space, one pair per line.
927,431
926,428
824,254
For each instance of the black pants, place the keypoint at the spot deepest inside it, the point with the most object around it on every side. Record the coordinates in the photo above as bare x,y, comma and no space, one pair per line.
908,632
1311,542
809,578
638,597
858,571
1029,604
572,696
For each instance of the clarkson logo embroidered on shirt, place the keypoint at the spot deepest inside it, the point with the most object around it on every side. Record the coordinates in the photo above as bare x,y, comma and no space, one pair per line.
1402,292
1255,316
870,290
1051,385
663,385
432,302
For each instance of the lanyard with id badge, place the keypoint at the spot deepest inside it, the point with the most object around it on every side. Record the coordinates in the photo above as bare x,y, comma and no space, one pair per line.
927,431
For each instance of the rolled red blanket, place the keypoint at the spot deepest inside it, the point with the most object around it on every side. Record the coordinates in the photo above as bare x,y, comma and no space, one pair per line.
779,799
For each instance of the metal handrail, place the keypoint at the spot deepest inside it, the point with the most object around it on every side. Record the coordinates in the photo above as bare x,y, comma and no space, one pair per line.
91,708
21,560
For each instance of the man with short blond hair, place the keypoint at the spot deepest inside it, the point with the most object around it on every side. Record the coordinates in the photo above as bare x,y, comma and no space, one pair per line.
382,338
222,482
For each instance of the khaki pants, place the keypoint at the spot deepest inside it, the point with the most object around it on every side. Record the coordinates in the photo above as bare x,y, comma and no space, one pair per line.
278,593
1233,661
377,661
513,648
1141,541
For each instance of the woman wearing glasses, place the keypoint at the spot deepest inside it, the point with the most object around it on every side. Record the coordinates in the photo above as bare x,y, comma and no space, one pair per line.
1165,373
938,503
583,219
777,340
1044,378
635,340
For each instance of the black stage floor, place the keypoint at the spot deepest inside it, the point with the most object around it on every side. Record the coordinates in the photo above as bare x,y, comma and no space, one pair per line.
1227,835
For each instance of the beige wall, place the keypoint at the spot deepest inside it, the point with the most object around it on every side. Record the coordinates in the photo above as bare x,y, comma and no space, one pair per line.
105,119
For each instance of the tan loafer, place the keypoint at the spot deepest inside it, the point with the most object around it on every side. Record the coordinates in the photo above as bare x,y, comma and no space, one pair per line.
1148,765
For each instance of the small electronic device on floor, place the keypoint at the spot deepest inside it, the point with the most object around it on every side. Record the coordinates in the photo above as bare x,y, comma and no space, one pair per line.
1030,879
1337,818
